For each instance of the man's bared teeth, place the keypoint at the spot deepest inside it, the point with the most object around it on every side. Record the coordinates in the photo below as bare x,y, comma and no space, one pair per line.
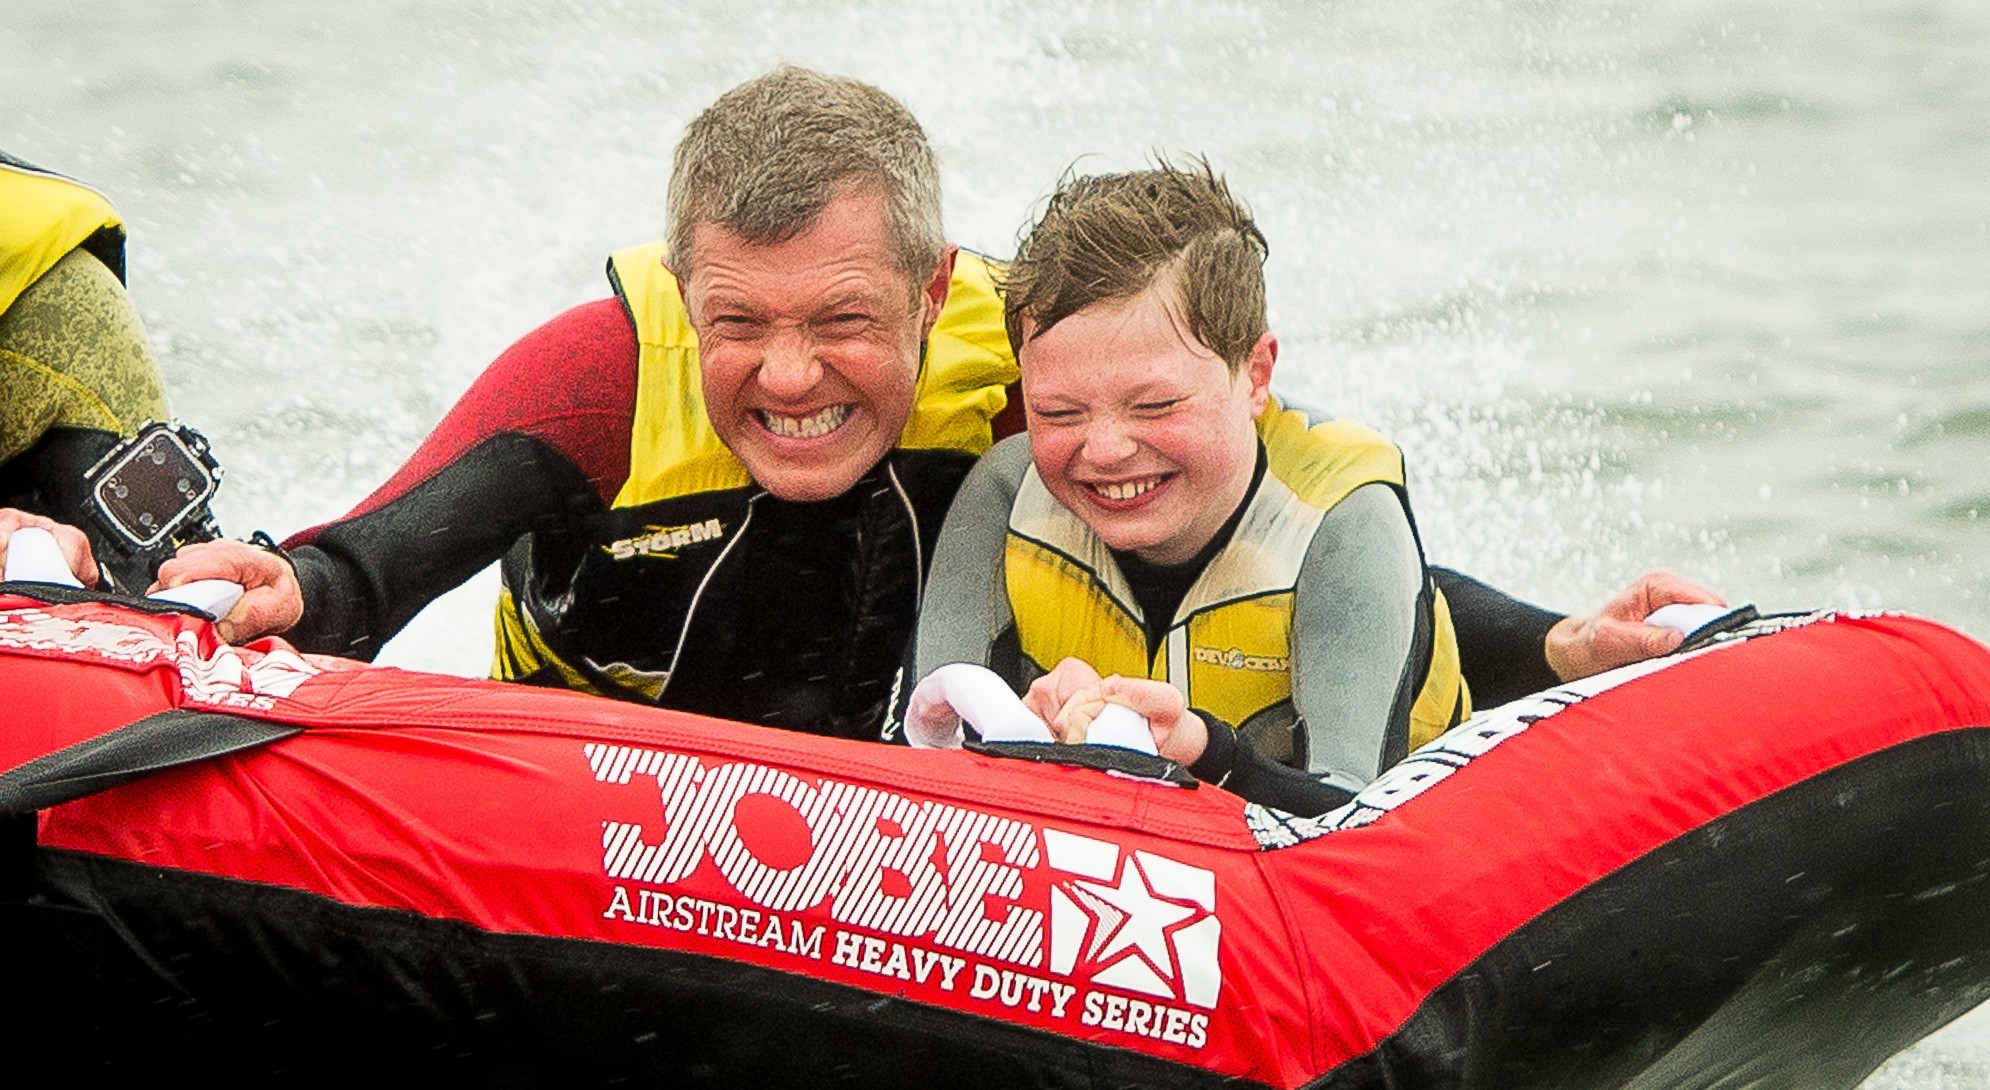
1126,490
806,427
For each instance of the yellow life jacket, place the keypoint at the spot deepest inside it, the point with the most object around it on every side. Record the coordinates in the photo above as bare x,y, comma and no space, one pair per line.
43,217
1230,647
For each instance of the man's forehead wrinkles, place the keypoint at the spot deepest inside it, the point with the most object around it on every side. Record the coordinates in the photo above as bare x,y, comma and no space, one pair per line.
794,293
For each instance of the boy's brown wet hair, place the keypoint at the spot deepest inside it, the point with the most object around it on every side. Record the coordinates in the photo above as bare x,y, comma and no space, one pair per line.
1107,237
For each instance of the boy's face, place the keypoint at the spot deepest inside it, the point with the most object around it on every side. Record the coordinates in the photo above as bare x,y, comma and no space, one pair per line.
1139,429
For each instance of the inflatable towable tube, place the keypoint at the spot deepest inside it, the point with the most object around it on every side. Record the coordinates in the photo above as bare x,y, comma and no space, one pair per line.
1763,863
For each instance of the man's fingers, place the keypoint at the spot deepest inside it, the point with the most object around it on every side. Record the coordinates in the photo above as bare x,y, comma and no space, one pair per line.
261,611
235,561
13,518
271,599
244,617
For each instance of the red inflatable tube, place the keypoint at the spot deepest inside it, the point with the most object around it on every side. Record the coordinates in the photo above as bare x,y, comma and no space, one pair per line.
1694,870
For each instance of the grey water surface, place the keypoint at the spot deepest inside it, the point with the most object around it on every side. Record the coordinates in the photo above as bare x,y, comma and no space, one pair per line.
1694,283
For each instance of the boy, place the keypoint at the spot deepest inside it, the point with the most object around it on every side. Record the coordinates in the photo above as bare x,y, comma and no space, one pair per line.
1233,566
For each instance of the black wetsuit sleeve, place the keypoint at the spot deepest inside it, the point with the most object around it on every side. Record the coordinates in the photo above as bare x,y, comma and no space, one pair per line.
1502,641
540,439
364,577
1243,771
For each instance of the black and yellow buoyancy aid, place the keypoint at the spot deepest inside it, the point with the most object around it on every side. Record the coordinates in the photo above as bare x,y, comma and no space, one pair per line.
609,607
76,369
73,355
43,216
1229,649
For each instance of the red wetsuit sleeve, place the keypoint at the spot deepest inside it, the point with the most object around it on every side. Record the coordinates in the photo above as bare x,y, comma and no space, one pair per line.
571,384
541,438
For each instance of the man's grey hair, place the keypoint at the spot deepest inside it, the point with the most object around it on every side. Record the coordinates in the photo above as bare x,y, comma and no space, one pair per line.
765,160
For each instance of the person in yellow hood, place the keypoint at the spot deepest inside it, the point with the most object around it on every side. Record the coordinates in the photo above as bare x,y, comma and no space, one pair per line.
77,374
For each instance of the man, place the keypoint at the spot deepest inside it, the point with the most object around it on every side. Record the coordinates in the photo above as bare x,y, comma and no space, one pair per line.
76,369
1235,566
717,490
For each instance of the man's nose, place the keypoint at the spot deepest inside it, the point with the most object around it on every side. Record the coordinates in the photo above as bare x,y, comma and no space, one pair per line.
788,368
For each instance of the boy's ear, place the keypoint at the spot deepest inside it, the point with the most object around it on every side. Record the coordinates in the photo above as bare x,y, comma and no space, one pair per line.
1257,370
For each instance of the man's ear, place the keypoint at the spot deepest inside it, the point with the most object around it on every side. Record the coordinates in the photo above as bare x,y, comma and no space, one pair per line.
683,287
934,292
1257,370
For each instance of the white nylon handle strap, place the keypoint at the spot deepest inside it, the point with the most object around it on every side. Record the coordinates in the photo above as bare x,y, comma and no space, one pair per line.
34,557
963,691
1686,619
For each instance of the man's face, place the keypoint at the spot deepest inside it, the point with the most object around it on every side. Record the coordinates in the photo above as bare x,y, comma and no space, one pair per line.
809,348
1138,428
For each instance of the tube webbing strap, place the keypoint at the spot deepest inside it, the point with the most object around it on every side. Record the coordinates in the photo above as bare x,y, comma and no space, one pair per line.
157,742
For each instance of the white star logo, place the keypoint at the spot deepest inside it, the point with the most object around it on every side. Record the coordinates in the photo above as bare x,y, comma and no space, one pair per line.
1132,918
